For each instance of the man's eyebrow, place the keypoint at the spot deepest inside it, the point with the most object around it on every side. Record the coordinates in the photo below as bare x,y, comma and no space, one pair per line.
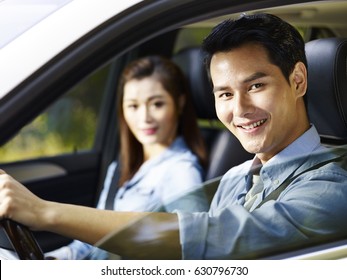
254,76
250,78
222,88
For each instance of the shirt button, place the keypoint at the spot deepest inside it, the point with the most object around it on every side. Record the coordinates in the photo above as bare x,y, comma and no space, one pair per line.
276,182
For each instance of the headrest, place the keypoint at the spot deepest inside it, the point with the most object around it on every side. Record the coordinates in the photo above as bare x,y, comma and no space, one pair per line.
327,88
191,61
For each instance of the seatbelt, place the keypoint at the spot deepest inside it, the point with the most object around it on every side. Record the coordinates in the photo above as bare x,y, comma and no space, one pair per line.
109,204
275,193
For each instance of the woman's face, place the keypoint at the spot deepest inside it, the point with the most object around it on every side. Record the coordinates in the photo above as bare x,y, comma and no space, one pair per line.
150,112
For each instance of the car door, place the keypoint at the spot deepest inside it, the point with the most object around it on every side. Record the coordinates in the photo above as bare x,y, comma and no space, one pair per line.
62,134
69,103
62,151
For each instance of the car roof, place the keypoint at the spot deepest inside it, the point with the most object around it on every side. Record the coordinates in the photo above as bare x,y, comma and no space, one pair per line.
35,34
40,35
17,16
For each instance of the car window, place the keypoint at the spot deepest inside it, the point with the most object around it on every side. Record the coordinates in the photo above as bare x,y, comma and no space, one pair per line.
190,37
68,126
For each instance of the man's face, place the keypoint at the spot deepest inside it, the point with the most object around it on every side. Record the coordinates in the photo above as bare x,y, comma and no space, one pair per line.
255,101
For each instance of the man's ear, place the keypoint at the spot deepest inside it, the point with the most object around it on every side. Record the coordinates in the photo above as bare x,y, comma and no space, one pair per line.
299,78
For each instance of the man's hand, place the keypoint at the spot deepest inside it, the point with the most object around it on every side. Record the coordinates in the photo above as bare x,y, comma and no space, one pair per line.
15,199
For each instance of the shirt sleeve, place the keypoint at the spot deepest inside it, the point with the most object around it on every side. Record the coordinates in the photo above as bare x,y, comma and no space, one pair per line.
193,238
76,250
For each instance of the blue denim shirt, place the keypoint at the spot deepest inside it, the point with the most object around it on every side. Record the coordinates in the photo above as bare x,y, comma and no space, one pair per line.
314,204
167,182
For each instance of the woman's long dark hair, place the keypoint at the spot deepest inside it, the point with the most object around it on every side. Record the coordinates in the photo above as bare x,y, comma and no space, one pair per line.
174,82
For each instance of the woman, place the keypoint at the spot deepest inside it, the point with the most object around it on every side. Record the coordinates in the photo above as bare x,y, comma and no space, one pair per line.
162,153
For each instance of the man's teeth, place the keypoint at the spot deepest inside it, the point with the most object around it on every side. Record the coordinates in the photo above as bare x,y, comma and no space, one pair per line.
253,125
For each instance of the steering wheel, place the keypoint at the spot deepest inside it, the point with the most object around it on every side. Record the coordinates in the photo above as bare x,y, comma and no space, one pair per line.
22,240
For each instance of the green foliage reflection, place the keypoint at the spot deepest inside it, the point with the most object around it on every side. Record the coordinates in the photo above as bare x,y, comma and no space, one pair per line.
68,126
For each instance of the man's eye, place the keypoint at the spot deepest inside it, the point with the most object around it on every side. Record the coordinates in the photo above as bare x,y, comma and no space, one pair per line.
225,95
256,86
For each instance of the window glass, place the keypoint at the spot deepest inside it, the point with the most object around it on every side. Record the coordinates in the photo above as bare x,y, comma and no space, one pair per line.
67,126
190,37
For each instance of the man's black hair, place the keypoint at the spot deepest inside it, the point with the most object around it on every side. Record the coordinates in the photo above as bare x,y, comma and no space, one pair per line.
283,43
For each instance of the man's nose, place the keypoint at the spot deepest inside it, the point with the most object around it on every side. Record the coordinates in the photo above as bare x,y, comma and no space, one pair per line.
241,105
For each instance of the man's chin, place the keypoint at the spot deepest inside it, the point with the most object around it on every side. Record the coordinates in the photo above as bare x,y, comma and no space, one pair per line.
252,147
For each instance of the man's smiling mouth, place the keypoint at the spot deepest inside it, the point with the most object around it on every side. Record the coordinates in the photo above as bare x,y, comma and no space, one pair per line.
253,125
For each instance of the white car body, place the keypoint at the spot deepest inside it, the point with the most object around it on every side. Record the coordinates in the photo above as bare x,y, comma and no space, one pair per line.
45,36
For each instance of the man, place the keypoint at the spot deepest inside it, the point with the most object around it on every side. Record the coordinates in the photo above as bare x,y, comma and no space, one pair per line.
258,69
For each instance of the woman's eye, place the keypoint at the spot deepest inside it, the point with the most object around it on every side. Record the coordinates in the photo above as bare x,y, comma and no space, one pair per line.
158,104
132,106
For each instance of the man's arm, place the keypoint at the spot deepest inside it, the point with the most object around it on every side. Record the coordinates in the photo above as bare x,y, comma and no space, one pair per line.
133,235
153,236
136,234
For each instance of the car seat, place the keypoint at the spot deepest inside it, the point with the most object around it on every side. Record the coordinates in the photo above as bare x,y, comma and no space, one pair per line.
225,150
327,88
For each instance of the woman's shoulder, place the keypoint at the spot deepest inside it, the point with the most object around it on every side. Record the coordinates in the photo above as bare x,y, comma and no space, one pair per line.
179,150
179,159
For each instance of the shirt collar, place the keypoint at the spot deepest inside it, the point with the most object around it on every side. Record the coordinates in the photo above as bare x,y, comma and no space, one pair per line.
304,145
282,165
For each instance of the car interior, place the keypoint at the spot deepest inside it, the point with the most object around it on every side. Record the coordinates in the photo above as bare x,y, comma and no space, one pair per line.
326,104
326,52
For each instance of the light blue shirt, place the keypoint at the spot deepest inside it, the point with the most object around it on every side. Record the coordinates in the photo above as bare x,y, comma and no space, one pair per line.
313,205
168,182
